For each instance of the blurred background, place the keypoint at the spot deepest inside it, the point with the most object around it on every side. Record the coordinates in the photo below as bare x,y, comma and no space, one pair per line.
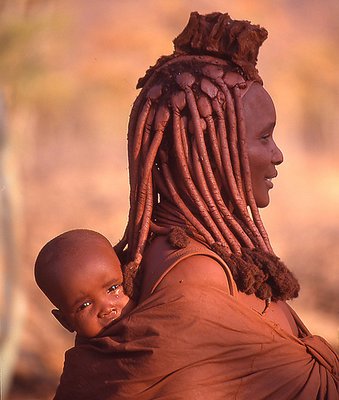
68,71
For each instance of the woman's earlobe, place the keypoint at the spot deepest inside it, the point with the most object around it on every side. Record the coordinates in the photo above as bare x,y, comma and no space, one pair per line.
62,320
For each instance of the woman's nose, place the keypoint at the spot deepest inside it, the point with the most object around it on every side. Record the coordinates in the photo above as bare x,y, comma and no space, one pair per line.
277,155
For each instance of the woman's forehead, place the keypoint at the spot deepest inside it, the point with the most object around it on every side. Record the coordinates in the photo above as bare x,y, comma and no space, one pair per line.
257,99
259,111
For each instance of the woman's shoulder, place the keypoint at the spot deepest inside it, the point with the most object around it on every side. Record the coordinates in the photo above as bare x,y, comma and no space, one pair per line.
195,264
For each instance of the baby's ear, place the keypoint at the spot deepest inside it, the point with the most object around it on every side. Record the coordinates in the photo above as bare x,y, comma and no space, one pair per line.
61,318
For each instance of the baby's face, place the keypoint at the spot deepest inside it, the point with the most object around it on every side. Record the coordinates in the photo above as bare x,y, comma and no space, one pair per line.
93,297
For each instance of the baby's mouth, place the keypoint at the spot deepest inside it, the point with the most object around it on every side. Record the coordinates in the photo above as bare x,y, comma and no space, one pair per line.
113,312
109,319
111,316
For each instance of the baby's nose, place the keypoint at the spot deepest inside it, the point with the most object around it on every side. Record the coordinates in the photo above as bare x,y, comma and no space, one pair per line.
107,310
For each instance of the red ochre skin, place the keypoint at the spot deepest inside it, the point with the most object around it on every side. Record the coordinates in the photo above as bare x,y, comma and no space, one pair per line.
193,335
81,275
92,297
263,153
192,338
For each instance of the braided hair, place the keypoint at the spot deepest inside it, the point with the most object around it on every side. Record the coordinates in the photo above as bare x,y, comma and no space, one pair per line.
188,159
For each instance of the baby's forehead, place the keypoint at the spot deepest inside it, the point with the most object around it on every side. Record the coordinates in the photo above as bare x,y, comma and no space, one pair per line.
75,281
74,249
75,239
88,261
77,246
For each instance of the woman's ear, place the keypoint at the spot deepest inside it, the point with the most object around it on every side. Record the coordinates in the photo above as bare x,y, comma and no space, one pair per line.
61,318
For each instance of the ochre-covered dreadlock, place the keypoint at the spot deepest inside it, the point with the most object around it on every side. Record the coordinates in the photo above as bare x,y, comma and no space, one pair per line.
188,160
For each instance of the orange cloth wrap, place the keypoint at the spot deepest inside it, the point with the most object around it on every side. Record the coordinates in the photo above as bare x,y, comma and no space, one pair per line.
190,342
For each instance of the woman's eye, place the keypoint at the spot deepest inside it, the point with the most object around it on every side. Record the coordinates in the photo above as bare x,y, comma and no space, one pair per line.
113,288
266,136
84,305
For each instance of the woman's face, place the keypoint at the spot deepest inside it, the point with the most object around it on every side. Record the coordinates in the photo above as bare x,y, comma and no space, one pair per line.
263,153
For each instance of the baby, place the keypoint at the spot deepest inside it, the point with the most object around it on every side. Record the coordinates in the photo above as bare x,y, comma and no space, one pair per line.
81,275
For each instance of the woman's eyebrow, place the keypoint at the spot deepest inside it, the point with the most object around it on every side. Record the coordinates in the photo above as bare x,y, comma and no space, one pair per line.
269,128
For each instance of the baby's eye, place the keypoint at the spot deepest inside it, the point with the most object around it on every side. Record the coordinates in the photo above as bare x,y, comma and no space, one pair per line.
113,288
84,305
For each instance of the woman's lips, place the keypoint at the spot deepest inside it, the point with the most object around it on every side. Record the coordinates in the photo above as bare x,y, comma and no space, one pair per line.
268,179
269,182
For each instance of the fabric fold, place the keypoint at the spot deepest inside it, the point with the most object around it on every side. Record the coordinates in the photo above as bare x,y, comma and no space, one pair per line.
189,342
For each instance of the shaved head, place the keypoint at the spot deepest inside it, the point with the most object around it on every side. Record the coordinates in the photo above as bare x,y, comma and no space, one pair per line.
81,275
63,255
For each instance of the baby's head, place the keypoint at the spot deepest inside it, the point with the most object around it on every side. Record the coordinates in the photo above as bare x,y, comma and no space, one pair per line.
80,273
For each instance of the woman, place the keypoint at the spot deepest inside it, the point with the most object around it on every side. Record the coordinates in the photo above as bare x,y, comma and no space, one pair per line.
212,318
203,115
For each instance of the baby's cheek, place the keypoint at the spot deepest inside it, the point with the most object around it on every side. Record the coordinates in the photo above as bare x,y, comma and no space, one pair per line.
127,305
119,294
89,327
123,299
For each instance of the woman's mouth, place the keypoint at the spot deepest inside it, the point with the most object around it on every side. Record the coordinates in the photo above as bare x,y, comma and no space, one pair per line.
269,182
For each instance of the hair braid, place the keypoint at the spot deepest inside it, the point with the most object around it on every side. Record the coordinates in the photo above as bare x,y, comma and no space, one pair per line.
188,120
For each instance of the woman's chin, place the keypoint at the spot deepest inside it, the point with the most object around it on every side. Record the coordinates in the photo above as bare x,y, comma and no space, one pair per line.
262,201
